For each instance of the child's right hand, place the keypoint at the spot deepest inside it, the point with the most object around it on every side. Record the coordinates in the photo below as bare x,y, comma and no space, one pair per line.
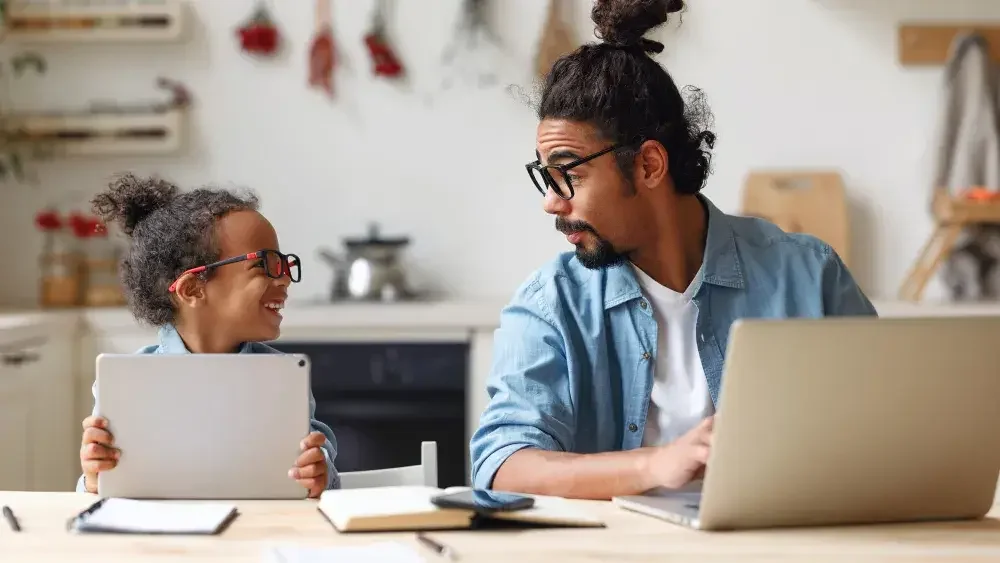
97,453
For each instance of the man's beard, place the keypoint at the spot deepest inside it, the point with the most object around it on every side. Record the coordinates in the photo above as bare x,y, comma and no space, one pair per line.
603,253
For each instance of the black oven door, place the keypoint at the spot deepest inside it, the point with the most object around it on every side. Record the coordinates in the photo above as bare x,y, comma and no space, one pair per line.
383,399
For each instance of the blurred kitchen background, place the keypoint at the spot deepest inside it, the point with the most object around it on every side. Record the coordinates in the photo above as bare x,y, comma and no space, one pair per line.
427,156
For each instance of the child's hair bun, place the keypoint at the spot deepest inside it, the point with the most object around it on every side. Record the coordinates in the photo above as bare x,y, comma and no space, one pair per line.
128,200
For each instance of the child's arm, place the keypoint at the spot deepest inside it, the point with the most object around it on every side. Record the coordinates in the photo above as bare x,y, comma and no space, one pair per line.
329,446
81,486
97,451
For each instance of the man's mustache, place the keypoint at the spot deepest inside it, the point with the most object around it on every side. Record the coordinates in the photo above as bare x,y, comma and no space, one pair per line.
567,227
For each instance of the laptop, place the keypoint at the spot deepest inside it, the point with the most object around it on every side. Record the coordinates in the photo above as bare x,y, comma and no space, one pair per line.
204,426
842,421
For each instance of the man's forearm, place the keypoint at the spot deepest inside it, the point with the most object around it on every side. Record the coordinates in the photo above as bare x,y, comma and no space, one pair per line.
588,476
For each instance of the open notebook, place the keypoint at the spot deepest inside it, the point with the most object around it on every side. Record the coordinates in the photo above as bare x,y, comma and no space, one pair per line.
410,508
127,516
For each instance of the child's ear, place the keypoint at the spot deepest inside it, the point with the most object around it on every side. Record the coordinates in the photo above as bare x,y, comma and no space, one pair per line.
189,290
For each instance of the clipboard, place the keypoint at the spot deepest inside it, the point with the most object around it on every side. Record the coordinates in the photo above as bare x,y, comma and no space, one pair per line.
126,516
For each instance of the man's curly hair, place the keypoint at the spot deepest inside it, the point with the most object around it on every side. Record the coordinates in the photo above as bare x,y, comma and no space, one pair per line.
616,86
170,231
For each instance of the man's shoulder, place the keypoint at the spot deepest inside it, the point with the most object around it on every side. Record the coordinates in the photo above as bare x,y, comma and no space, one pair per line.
561,282
764,241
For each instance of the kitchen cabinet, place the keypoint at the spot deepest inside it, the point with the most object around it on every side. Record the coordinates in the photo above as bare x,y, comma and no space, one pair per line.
37,436
95,342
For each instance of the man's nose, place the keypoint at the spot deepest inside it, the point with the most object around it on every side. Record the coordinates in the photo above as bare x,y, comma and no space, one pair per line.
555,205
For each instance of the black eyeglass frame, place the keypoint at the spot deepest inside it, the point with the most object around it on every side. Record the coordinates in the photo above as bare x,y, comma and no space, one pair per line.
286,262
550,182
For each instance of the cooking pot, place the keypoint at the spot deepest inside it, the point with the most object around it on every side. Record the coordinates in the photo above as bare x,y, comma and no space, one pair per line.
370,269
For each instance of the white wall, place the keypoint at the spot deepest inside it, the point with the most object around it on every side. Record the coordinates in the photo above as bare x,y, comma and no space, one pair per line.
802,83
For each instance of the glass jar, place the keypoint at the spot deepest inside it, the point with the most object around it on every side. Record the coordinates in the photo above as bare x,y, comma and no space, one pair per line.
60,278
103,288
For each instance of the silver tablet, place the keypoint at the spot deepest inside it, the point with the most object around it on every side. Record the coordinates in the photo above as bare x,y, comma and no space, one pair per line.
204,426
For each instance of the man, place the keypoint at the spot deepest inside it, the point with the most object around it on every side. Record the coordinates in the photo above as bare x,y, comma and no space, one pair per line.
608,361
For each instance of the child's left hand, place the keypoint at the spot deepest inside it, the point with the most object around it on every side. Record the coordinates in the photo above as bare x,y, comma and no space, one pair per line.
310,467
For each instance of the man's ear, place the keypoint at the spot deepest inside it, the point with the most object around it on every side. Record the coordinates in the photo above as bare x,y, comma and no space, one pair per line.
652,164
190,290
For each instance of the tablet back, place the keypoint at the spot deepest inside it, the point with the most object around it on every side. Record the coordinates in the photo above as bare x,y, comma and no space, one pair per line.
204,426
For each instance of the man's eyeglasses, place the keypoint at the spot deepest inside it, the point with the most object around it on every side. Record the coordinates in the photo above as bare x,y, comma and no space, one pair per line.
556,176
274,263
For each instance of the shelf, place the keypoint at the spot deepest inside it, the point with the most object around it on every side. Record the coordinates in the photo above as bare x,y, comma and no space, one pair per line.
108,21
932,43
100,134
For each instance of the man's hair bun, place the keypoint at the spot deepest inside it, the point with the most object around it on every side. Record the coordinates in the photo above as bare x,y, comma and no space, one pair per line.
623,23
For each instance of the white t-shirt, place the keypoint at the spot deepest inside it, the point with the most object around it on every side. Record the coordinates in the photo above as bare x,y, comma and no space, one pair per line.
680,398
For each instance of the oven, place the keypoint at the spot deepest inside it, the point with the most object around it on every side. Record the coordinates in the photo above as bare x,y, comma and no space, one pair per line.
382,399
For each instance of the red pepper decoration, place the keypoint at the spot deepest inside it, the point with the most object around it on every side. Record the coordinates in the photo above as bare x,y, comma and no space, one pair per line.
321,54
259,36
384,60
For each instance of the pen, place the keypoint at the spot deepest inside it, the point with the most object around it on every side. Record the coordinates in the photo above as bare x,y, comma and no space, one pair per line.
11,519
440,549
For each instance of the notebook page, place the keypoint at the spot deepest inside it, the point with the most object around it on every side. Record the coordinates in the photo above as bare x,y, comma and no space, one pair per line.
381,552
128,515
380,501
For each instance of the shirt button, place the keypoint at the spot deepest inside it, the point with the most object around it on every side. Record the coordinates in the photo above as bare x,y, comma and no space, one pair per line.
632,427
642,304
646,356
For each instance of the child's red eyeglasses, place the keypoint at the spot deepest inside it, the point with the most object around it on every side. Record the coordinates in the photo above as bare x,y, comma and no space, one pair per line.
275,264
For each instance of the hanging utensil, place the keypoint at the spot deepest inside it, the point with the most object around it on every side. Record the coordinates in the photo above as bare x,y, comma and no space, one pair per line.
474,52
555,40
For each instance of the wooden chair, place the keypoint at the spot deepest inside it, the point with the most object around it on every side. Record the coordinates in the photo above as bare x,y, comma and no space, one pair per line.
808,201
952,214
425,474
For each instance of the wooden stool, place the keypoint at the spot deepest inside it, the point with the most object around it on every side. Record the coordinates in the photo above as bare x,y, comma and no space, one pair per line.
952,215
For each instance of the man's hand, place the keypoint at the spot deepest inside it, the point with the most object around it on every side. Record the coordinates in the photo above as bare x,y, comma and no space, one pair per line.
97,451
682,461
310,467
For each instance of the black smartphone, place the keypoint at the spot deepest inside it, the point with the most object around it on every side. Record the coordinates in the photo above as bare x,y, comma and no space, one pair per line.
483,501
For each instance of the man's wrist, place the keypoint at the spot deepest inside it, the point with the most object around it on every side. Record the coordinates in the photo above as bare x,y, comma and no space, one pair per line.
645,468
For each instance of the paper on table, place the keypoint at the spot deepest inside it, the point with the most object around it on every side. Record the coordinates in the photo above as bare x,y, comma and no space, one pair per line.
157,517
383,552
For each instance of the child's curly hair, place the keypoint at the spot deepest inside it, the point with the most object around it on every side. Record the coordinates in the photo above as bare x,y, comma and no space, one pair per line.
170,231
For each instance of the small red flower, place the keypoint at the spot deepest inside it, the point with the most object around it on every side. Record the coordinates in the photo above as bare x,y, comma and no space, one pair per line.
86,226
48,220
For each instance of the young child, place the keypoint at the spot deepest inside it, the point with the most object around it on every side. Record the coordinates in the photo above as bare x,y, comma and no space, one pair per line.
204,267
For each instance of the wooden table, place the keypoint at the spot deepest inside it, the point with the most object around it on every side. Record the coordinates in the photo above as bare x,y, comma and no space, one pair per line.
629,537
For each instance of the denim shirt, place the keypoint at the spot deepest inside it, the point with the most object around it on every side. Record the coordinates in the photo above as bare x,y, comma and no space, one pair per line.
575,353
171,343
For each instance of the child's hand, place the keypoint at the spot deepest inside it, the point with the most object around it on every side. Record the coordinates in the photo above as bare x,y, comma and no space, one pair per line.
97,452
310,467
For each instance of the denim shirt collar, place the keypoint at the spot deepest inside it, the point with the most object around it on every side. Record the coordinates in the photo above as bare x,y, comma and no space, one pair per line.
720,264
171,342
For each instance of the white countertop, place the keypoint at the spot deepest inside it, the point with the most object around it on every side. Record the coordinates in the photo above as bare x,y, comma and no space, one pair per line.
472,314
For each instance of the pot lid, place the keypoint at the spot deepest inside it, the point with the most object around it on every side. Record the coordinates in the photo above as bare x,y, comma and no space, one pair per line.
375,239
